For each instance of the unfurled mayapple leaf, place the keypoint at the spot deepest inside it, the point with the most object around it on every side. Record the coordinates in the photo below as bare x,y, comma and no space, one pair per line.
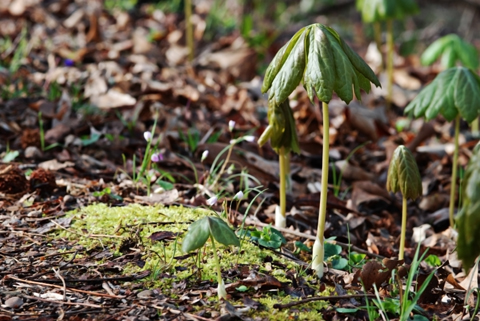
452,48
281,129
381,10
403,174
468,219
454,91
200,230
317,56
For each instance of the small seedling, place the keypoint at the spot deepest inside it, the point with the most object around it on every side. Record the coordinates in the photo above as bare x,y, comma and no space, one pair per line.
215,229
319,58
376,11
455,94
403,176
468,219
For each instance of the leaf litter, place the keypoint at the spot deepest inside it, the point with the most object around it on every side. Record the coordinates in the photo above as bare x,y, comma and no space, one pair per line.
92,80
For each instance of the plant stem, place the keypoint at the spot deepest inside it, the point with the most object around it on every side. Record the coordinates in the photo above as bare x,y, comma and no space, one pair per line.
454,172
222,169
475,127
317,252
404,229
189,29
217,263
283,188
390,63
377,34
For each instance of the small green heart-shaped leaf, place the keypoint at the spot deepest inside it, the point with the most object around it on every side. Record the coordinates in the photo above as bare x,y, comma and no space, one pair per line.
200,230
197,235
468,219
403,174
454,91
221,232
452,48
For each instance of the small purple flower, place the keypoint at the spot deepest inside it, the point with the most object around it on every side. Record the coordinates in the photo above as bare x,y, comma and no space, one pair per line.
69,62
147,136
157,157
212,201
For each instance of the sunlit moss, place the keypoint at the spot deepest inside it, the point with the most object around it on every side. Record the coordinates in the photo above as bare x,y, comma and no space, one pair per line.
102,227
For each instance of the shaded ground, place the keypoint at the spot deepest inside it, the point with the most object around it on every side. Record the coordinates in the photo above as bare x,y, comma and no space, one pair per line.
80,84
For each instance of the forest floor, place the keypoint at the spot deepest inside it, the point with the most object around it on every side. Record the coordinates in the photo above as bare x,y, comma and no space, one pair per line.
93,215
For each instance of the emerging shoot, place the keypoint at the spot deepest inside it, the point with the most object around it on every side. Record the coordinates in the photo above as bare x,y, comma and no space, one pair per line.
215,229
403,176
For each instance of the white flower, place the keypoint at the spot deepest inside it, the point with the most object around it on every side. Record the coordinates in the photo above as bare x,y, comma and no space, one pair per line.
147,136
222,293
233,141
212,201
231,125
238,196
249,138
204,155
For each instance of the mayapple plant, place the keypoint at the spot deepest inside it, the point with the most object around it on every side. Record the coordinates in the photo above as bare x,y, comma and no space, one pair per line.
216,229
404,176
452,49
468,219
376,11
318,57
455,94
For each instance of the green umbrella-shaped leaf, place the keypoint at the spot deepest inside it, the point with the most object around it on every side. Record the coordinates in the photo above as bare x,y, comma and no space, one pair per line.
221,232
290,73
468,219
403,174
435,50
319,73
455,90
452,48
279,60
381,10
197,235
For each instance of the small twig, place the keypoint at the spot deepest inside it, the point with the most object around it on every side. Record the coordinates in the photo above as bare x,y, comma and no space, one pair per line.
68,289
57,273
322,298
62,302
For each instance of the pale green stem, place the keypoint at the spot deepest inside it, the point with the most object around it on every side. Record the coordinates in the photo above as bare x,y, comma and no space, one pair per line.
390,63
453,187
404,228
322,213
475,127
217,261
189,29
283,181
377,34
224,165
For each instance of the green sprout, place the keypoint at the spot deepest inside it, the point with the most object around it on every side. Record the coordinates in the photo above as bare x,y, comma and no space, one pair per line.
468,219
215,229
455,94
376,11
318,57
452,49
403,176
